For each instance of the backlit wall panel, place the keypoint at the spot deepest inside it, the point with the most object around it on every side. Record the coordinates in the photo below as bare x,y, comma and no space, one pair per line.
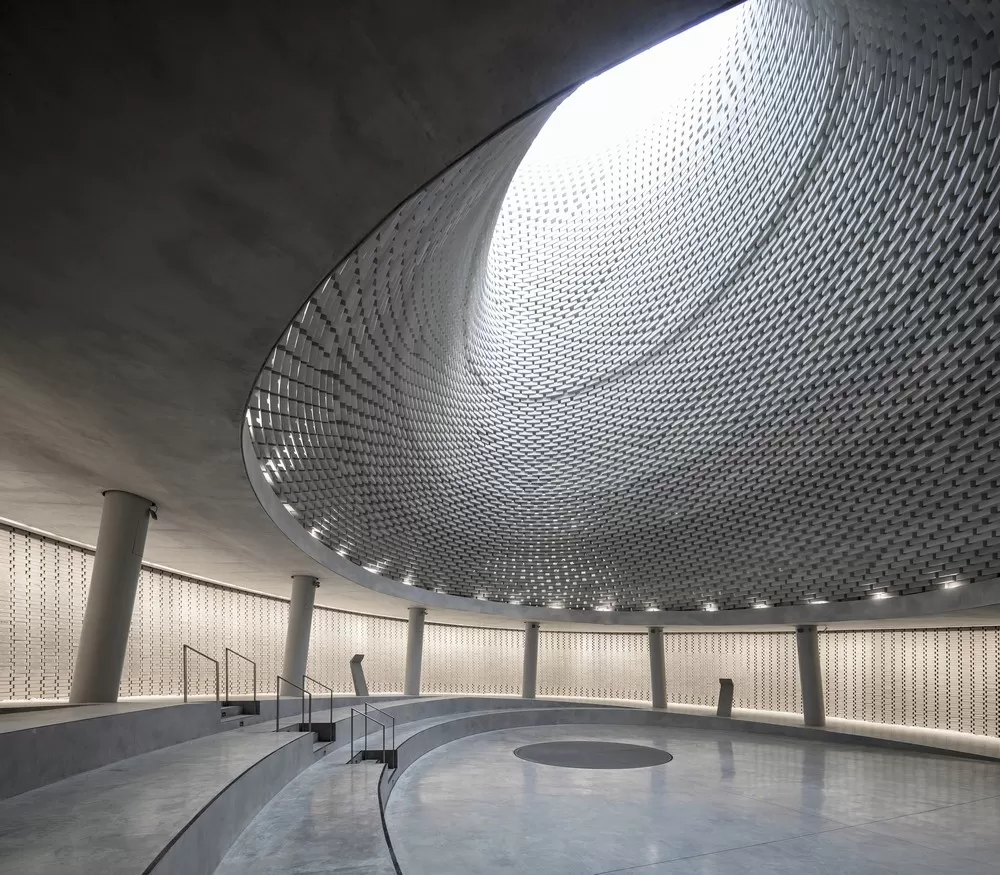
762,665
943,678
938,678
172,610
337,636
466,659
593,665
43,595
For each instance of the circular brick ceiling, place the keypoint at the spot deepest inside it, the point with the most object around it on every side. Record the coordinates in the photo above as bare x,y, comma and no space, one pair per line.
731,341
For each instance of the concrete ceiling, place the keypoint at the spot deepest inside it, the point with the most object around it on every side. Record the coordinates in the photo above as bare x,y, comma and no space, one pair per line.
177,178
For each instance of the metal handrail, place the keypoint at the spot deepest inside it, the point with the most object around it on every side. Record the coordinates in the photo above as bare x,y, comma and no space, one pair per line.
277,703
366,718
385,714
247,659
306,677
184,669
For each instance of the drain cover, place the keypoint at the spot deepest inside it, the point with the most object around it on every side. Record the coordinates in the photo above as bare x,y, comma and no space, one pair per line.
593,755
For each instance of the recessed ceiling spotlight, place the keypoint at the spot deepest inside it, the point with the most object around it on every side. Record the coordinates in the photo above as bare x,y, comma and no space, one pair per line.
603,608
819,602
762,605
556,605
514,602
651,608
951,584
481,598
881,595
710,606
408,580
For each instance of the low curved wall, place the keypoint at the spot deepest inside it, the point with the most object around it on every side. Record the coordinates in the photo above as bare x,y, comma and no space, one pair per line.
934,678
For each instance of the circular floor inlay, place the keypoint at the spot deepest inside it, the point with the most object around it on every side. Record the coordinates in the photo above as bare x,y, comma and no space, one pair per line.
593,755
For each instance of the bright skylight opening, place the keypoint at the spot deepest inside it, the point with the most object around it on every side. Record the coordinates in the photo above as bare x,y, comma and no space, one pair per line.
620,103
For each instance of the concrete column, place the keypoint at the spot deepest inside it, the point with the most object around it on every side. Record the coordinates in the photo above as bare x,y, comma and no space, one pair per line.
300,613
100,656
529,677
657,667
414,651
810,676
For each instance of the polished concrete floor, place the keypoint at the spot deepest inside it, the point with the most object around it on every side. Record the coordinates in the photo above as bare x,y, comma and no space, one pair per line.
726,805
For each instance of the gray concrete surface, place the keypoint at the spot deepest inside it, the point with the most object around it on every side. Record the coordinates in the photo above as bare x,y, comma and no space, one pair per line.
142,815
40,748
177,179
727,803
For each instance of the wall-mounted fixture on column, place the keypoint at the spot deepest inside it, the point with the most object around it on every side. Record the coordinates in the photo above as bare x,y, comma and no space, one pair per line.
529,677
810,676
414,651
300,613
657,667
121,540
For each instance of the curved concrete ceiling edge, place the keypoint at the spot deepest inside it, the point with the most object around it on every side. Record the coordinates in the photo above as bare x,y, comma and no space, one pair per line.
971,596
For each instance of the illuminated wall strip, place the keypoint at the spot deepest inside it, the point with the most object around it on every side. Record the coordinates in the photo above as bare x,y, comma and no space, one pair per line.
938,678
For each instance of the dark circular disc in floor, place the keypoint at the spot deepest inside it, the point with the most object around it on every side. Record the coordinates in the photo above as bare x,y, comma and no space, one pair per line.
593,755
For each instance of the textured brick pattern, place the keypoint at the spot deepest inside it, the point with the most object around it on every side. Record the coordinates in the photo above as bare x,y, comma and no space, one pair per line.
337,636
763,666
465,659
593,665
746,354
943,679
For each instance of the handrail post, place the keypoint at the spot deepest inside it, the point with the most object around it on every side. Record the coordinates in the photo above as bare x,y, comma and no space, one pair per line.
229,650
184,672
384,714
305,678
277,710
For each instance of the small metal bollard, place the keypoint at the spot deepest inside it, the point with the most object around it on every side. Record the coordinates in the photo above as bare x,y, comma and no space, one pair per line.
725,708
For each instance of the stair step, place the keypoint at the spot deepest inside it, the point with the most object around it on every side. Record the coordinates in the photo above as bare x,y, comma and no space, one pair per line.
231,711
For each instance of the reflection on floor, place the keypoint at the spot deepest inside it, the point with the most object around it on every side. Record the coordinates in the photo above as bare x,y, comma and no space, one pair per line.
728,804
965,742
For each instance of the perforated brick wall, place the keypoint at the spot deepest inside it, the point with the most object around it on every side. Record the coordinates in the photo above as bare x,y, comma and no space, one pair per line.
939,678
745,353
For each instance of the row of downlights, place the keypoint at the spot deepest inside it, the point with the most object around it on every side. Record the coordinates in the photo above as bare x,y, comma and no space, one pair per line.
951,583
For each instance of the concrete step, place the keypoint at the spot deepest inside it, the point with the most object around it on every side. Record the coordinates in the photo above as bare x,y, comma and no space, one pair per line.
231,711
